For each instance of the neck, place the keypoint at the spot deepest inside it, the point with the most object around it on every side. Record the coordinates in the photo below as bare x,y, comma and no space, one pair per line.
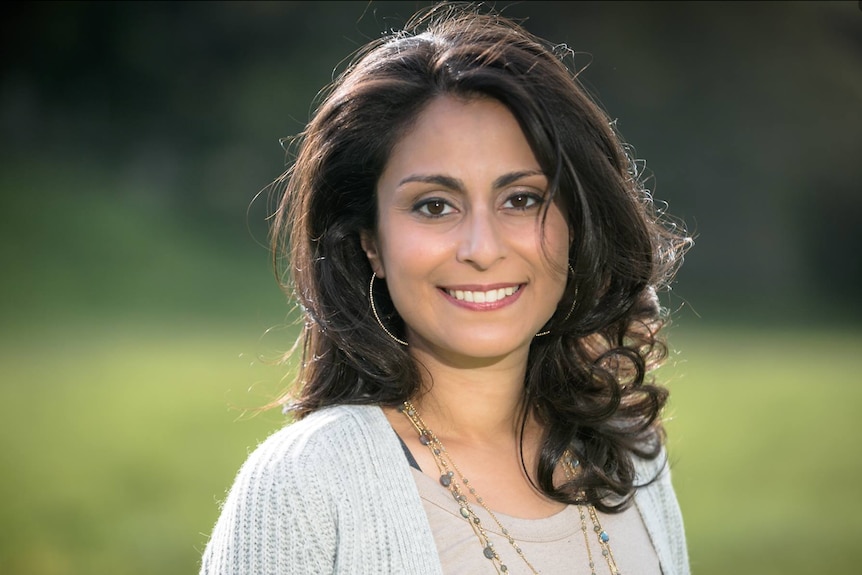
482,403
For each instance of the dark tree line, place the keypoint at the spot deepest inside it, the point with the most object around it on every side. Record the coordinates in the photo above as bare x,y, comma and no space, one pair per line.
749,115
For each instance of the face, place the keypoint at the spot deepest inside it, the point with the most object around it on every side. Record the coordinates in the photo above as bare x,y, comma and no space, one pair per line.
460,241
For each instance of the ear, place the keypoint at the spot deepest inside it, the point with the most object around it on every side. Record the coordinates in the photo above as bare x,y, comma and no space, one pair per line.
369,246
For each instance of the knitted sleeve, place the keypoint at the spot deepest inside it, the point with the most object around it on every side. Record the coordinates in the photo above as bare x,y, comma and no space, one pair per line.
277,518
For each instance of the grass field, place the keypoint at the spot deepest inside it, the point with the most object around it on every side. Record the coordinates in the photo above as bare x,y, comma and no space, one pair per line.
118,443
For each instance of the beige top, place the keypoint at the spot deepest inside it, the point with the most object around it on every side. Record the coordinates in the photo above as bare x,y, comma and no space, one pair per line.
553,545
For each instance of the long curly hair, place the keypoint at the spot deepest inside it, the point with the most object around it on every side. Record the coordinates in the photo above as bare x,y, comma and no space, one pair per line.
587,379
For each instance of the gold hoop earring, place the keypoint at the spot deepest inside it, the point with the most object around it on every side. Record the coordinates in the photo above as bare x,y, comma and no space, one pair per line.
374,310
571,309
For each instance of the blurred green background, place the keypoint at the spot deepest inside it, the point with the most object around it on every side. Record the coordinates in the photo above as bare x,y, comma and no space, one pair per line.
140,322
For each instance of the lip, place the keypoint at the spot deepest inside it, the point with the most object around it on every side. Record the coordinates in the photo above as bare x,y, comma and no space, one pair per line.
505,301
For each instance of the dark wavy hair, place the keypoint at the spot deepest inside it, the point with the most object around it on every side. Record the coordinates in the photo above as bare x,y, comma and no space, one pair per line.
586,381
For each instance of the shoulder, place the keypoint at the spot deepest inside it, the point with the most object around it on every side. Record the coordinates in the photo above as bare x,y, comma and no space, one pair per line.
324,440
656,501
649,471
283,512
328,426
308,461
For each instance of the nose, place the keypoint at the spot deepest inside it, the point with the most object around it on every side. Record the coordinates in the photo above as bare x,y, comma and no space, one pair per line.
482,242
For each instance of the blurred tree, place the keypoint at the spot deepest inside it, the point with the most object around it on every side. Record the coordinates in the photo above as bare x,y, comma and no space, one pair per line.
749,114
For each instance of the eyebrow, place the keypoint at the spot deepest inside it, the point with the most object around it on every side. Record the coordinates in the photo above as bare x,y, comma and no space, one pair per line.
458,185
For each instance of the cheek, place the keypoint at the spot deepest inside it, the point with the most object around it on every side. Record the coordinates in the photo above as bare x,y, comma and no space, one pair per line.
405,251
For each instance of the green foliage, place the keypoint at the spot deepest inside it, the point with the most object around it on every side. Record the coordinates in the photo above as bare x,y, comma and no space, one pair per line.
79,242
746,112
121,443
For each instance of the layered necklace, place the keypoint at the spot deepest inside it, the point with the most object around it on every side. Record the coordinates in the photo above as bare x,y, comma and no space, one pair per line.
465,493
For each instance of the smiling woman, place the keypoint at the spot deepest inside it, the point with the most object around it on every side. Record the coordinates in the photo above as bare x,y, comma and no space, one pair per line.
477,262
475,271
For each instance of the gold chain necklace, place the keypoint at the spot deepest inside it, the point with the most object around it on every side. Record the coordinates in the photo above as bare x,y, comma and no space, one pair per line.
570,465
448,470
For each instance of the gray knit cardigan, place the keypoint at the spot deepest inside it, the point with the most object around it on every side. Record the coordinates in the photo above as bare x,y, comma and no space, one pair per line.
333,493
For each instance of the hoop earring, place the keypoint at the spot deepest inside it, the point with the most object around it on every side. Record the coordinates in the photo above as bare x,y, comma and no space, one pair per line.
571,309
374,310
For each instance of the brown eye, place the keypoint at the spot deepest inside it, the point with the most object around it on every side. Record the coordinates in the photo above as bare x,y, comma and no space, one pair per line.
433,207
522,201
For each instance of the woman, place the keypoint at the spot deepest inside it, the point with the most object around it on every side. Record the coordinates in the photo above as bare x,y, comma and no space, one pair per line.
477,263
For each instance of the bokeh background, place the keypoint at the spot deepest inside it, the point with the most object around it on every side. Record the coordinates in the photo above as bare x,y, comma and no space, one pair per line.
140,321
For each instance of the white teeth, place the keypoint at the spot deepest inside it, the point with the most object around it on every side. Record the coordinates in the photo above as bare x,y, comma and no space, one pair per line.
489,296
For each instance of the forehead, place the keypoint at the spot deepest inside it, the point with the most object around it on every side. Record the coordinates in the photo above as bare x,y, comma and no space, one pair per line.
457,135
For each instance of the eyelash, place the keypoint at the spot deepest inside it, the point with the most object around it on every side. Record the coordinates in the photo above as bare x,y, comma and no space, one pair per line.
422,207
535,200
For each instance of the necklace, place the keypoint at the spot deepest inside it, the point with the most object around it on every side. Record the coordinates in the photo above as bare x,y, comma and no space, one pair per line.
570,465
456,483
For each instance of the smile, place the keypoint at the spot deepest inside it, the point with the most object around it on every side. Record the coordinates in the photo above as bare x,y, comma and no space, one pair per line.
489,296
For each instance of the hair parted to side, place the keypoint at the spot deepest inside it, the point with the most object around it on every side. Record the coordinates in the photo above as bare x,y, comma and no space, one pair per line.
587,380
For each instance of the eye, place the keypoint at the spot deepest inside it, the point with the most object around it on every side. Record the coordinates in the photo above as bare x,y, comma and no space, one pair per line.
523,201
433,207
